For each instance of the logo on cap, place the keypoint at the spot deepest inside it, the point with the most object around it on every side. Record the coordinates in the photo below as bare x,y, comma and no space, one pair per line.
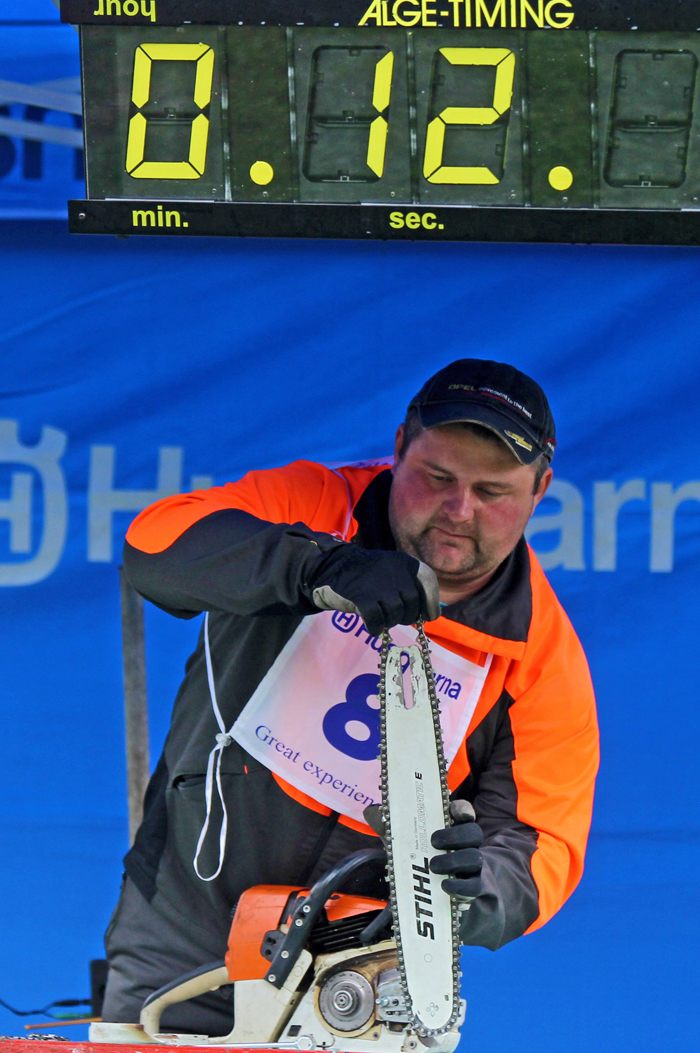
519,440
461,387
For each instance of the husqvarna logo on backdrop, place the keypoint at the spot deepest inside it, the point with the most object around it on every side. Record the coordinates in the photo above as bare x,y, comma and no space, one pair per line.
35,506
35,478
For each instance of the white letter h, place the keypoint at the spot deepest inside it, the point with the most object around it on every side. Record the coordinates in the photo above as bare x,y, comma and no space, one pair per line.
104,500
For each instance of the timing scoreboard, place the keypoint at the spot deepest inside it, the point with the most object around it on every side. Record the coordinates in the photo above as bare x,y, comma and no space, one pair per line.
490,120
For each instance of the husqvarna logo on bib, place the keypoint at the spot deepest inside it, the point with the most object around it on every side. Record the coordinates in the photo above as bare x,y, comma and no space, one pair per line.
314,719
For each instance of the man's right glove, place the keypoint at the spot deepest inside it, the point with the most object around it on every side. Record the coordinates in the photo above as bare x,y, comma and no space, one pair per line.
384,588
462,862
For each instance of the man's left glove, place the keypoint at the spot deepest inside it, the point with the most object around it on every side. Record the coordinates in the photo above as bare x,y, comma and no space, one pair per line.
384,588
462,860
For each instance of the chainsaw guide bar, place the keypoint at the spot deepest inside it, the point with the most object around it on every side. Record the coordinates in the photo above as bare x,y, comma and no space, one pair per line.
414,778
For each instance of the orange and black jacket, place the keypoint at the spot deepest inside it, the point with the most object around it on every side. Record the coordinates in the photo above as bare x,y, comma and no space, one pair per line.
245,552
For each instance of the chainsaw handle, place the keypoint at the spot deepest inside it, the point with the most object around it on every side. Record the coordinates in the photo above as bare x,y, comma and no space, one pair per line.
308,910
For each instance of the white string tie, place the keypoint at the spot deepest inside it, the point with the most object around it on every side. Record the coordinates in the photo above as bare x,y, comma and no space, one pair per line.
224,738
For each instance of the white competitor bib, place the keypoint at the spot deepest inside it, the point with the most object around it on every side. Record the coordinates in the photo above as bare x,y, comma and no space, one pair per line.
314,719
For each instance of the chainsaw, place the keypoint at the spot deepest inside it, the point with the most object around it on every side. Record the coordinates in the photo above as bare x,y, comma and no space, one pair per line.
314,968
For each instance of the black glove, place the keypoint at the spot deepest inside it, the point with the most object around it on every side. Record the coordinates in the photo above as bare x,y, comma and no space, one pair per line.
462,861
384,588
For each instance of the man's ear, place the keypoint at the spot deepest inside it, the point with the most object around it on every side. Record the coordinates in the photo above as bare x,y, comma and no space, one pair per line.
398,443
543,487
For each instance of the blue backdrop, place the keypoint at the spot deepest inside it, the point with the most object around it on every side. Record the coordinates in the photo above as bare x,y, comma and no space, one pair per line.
36,51
131,367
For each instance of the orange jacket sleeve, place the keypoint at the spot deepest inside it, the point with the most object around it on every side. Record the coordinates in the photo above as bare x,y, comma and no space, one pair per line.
555,738
301,492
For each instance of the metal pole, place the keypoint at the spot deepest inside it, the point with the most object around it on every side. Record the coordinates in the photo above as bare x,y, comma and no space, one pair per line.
135,702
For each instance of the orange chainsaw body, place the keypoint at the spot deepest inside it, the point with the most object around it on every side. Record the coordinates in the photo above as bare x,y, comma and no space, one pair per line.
266,907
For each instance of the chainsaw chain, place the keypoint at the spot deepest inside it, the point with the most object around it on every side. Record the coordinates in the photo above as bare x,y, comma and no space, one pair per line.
387,642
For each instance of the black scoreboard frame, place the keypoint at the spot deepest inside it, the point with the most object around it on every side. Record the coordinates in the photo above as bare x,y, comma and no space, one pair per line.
438,220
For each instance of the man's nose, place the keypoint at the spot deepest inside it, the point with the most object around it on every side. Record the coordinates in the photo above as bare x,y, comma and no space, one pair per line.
460,505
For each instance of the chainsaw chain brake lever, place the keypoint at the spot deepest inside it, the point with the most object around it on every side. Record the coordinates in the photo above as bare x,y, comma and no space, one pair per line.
307,912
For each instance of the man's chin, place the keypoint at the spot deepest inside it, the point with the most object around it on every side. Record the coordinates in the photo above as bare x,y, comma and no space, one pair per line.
456,576
458,572
450,558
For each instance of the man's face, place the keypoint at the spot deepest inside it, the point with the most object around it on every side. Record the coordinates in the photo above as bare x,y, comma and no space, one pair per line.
460,504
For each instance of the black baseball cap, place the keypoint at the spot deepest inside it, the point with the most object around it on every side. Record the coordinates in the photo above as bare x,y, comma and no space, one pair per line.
495,395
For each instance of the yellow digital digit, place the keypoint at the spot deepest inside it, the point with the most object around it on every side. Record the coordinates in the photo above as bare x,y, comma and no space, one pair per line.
144,57
379,128
433,168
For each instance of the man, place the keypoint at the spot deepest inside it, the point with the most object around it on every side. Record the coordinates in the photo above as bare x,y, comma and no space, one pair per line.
264,557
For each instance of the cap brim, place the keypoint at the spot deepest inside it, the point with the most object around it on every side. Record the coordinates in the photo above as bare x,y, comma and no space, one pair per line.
514,435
